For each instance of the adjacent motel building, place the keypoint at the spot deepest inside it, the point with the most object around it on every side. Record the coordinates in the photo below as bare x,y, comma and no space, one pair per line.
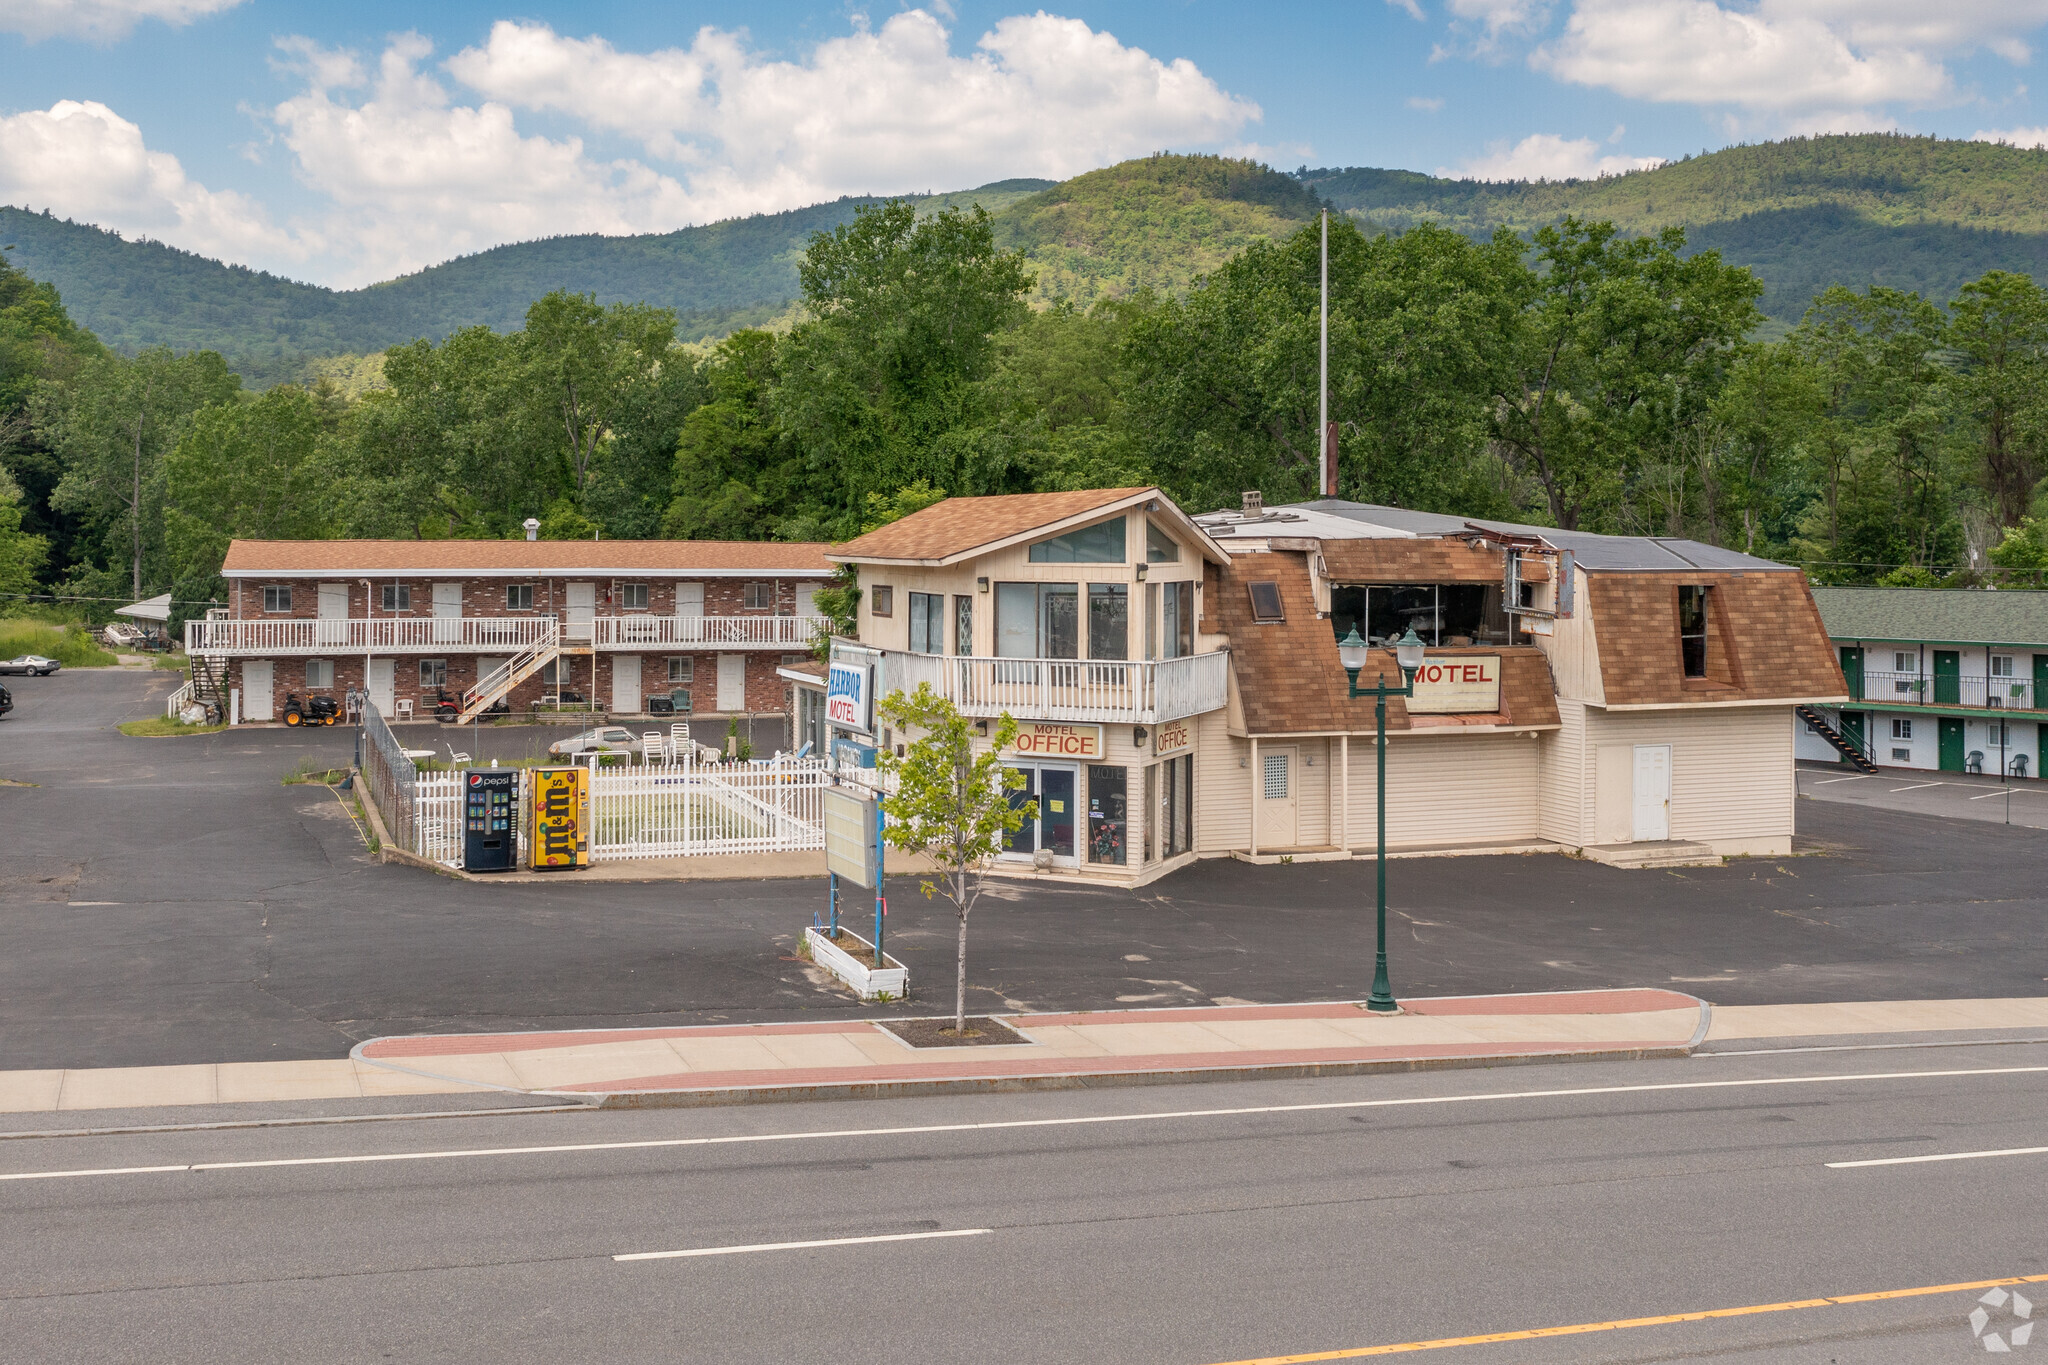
1938,680
1179,691
612,625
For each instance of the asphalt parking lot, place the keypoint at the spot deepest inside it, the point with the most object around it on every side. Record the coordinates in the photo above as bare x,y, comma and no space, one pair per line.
169,901
1954,796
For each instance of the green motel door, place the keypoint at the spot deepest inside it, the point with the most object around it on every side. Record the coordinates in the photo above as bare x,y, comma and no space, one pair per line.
1852,726
1951,744
1852,670
1948,682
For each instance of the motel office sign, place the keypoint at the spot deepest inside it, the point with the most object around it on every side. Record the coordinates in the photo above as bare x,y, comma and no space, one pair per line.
1462,685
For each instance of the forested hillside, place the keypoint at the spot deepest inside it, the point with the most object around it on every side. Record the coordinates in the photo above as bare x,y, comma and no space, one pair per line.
1913,213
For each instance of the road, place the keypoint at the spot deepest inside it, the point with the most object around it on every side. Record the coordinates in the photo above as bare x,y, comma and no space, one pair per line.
170,901
1188,1226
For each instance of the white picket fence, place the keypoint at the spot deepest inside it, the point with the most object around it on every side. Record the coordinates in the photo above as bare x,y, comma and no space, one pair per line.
660,810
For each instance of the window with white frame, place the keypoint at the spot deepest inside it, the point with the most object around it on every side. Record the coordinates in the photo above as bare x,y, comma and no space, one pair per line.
396,597
1902,662
1902,755
319,673
760,596
433,672
278,597
1997,735
633,596
1902,727
927,623
519,597
681,668
2001,665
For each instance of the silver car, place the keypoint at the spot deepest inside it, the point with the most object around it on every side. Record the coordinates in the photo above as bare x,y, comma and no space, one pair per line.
34,665
605,739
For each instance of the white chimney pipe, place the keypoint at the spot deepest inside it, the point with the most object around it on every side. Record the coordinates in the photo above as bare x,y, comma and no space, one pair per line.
532,525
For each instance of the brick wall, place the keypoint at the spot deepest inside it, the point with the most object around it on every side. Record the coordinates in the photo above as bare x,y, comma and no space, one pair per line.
486,596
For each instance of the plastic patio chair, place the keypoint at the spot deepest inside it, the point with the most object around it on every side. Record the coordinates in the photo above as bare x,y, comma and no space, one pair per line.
404,708
653,748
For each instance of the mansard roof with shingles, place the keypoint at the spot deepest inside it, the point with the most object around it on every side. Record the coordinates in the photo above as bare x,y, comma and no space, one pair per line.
960,528
1291,682
1765,640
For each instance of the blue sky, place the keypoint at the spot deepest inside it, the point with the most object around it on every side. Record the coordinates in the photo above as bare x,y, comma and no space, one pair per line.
345,144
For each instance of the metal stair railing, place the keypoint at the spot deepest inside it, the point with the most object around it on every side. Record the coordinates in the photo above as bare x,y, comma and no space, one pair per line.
209,682
510,674
1843,744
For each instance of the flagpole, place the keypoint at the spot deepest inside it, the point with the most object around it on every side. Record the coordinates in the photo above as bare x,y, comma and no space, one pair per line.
1329,480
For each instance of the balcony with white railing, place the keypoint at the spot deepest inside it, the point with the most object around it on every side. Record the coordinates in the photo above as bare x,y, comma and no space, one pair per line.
495,634
2002,693
1081,690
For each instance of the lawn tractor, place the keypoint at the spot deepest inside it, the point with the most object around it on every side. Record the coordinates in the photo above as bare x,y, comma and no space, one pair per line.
312,711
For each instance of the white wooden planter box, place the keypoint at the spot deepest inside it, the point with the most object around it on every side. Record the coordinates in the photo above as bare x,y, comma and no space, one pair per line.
869,984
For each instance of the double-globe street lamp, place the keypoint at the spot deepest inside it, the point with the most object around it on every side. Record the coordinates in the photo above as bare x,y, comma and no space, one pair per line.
1353,653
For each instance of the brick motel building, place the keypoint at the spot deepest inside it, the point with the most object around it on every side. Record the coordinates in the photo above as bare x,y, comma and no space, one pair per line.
526,624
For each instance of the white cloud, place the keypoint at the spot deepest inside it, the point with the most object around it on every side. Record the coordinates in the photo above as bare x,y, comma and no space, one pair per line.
1797,61
1428,104
886,110
99,20
1547,156
1410,8
2018,137
1497,21
83,160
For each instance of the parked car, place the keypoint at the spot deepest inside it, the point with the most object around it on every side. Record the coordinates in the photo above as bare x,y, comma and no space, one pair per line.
6,701
35,665
605,739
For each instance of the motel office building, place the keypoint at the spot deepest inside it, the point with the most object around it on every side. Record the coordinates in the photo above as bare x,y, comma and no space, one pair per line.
605,623
1939,680
1180,694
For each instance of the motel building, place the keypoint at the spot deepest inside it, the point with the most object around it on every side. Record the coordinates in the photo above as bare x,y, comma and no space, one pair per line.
1939,680
1179,692
624,627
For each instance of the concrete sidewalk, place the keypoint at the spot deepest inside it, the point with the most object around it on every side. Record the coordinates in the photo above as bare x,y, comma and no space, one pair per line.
737,1063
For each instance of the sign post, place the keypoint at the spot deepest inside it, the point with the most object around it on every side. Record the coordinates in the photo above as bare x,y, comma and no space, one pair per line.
851,849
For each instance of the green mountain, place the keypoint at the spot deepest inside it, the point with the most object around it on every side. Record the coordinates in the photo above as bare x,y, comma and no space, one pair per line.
1875,208
1918,213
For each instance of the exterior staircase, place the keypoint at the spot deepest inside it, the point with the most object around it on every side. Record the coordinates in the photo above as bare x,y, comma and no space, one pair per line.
210,682
1844,745
1654,853
493,686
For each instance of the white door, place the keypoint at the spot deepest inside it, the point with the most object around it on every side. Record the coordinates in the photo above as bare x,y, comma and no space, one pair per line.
383,695
256,685
582,610
807,602
732,682
1652,792
626,684
447,613
1277,799
333,608
689,599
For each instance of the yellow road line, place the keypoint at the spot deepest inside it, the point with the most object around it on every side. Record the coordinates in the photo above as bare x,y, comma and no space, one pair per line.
1581,1328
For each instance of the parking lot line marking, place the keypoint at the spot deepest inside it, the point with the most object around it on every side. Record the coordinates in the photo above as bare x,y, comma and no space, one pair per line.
1919,786
1663,1320
2002,791
1937,1156
1073,1121
801,1246
1858,778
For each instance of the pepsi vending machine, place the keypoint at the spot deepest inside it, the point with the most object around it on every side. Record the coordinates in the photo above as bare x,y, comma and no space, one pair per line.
490,811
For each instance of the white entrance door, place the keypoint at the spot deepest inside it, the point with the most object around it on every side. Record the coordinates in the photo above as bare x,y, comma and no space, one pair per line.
256,686
333,608
732,682
582,610
689,599
807,602
383,695
447,613
1277,799
1652,792
626,684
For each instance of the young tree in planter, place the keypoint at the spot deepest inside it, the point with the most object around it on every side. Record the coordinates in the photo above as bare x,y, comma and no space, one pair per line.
951,805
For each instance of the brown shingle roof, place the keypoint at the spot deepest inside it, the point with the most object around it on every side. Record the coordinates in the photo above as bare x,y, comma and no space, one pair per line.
1765,642
524,556
1290,680
960,525
1436,560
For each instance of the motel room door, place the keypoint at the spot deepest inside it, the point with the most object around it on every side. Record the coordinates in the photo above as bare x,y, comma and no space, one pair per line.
1278,826
1652,807
732,683
256,689
582,611
626,684
1949,744
383,695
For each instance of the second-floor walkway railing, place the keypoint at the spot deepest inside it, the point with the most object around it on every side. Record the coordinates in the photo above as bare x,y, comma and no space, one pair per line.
509,634
1886,688
1087,690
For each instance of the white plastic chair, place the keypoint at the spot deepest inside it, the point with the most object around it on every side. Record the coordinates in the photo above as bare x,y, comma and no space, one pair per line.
679,739
404,708
653,748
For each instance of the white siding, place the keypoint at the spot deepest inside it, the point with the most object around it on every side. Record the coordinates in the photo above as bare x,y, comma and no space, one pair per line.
1731,771
1563,778
1222,788
1446,789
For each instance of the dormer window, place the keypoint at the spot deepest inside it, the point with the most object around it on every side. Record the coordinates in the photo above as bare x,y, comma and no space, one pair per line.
1692,630
1266,601
1102,543
1160,548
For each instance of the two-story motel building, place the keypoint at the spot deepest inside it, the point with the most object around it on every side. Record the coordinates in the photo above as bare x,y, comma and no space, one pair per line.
1180,693
610,623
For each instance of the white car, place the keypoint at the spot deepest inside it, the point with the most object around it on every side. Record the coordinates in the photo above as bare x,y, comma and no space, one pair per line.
605,739
35,665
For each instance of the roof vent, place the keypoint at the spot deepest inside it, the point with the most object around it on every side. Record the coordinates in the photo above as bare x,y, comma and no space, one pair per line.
1254,503
532,525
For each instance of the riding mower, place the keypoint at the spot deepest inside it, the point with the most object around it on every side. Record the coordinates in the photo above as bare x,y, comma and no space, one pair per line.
313,711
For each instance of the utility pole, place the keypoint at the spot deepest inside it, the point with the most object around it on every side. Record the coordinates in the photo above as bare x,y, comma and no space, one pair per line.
1328,464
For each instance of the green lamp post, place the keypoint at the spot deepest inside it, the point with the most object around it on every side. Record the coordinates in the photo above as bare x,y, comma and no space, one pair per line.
1353,653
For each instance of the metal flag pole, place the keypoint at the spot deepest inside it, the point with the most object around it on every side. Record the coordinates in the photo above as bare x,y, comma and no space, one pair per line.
1329,475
